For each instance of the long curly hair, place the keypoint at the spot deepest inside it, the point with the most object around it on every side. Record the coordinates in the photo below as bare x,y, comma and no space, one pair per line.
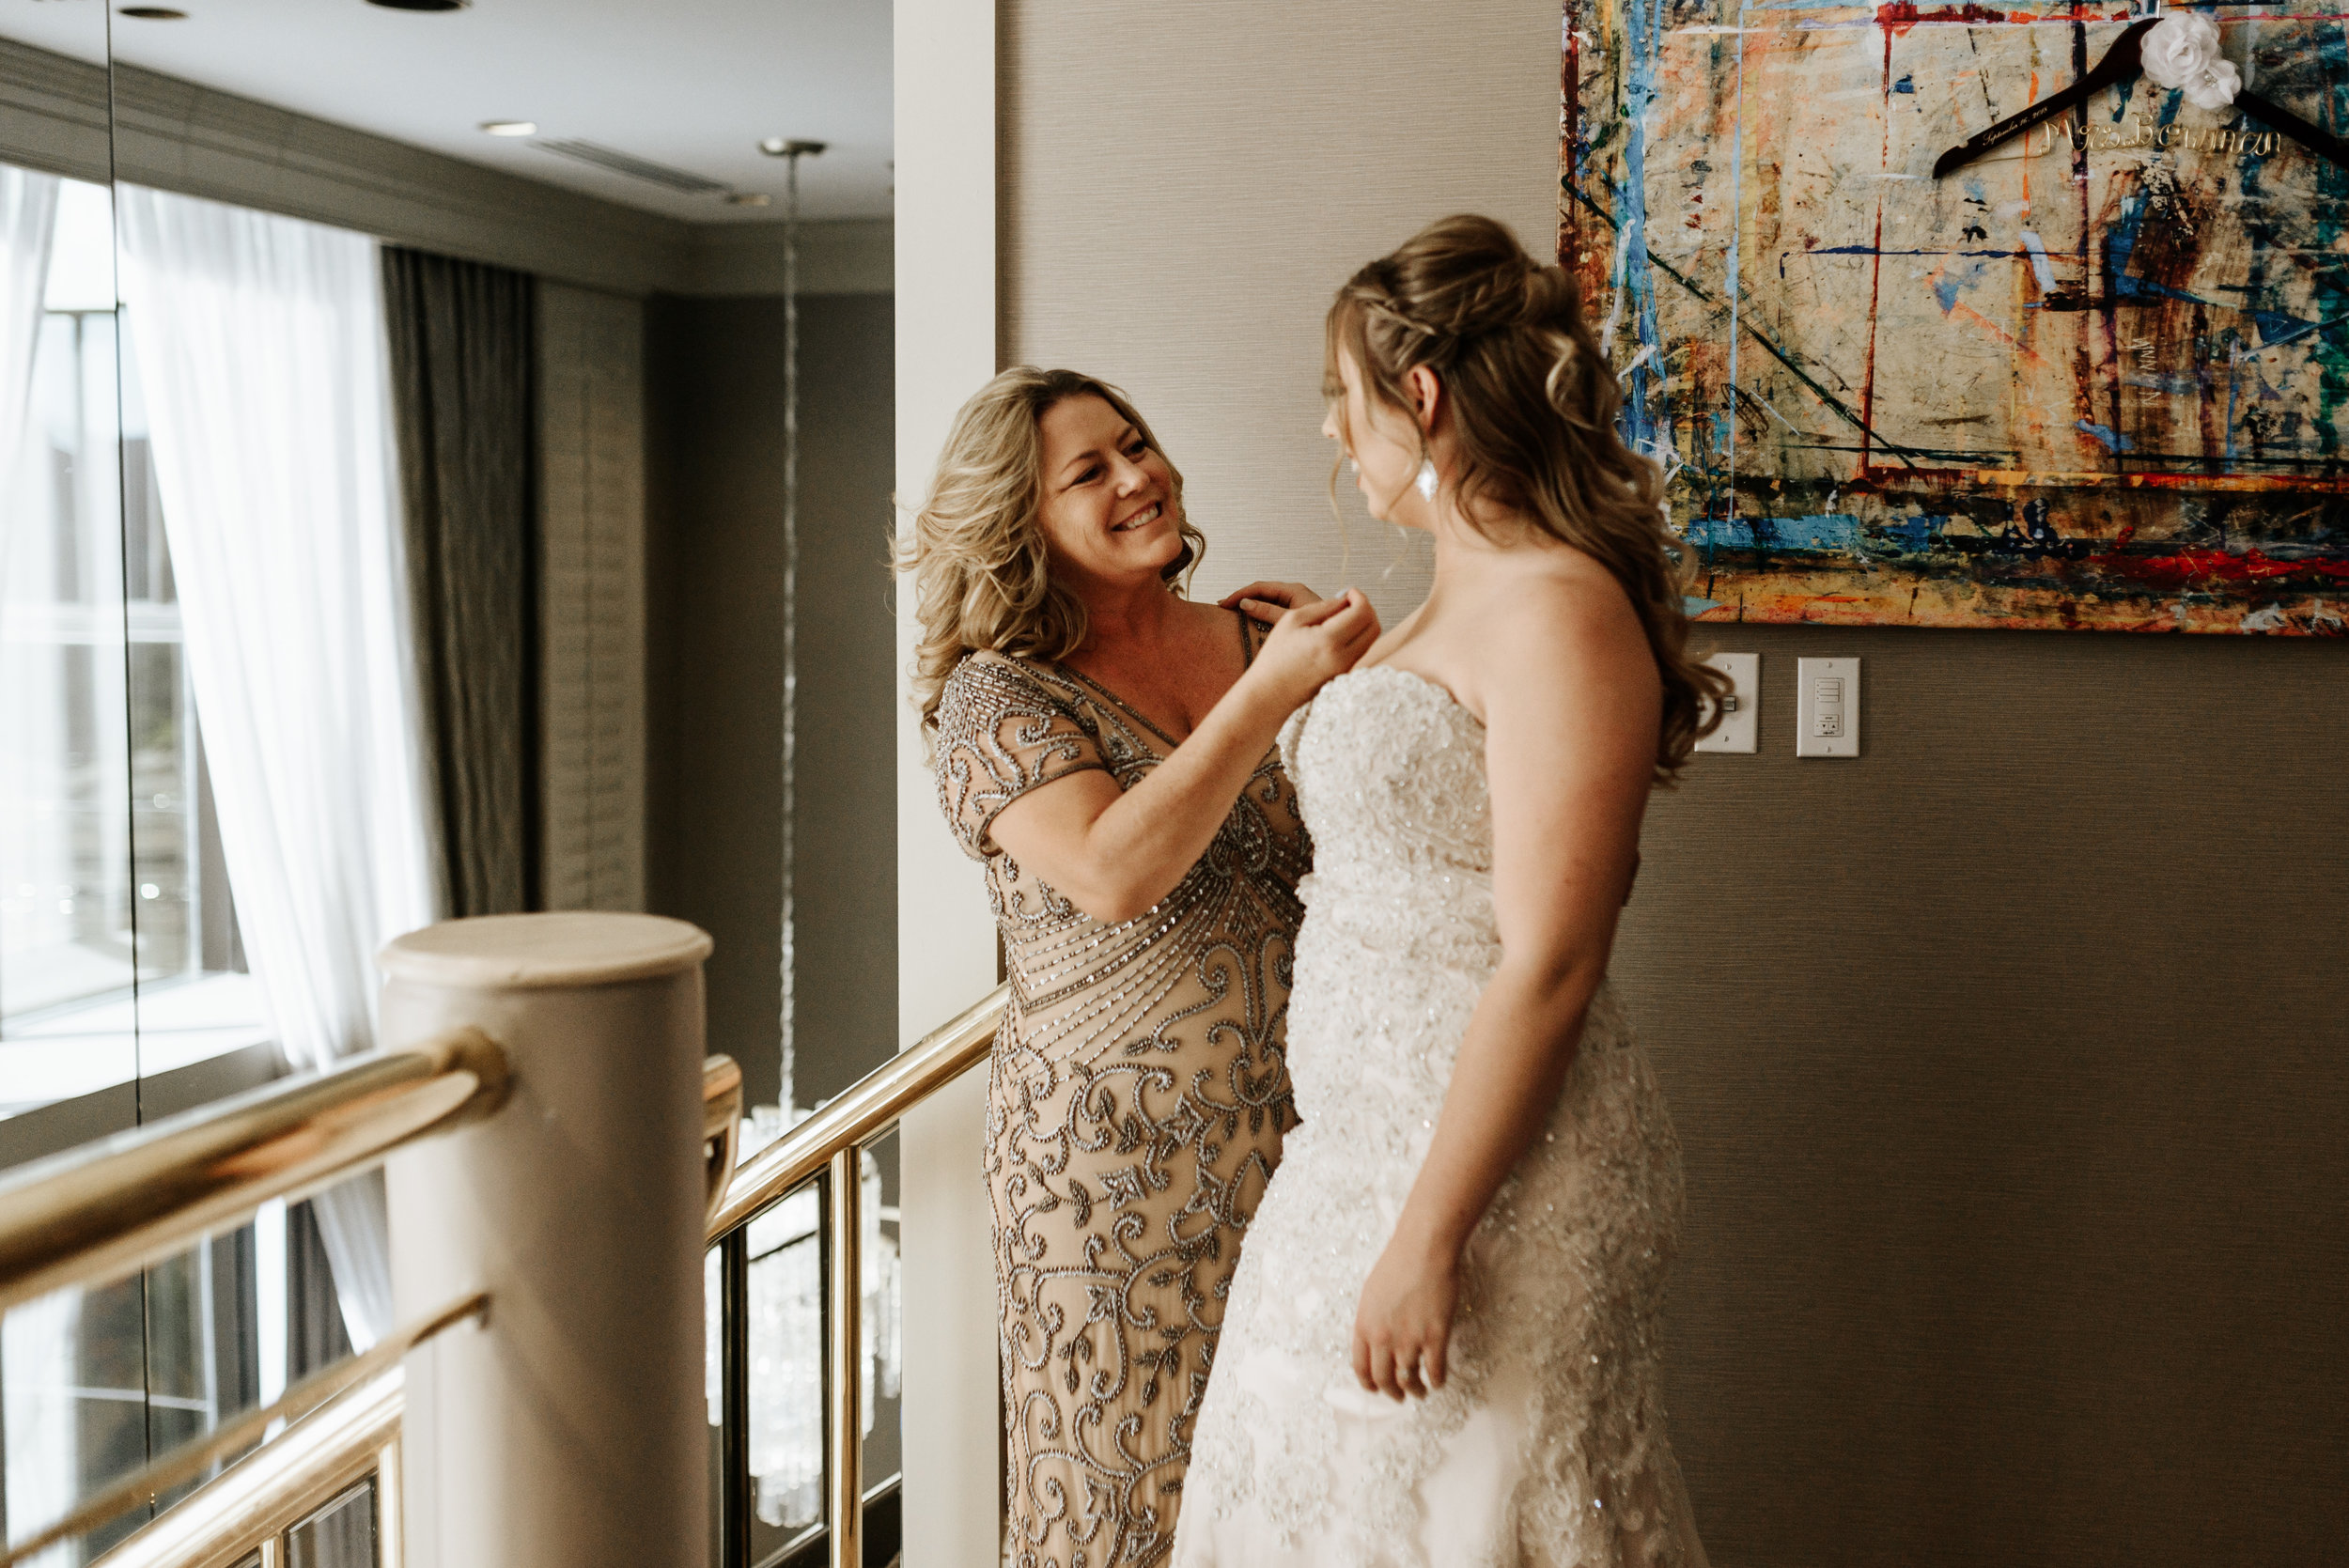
977,551
1534,407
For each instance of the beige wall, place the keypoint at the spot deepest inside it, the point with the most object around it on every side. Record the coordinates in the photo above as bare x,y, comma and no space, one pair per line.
1182,187
2010,1057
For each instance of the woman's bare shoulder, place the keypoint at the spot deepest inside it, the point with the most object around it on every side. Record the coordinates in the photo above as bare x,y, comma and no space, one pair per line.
1199,612
1561,617
1554,597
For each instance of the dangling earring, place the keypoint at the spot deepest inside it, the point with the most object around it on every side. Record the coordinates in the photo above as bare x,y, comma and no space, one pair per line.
1427,478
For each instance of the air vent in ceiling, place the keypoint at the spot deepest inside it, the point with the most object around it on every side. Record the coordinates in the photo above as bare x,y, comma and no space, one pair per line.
634,167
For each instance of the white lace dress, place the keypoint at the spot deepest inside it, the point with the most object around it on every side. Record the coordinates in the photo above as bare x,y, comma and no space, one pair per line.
1546,1447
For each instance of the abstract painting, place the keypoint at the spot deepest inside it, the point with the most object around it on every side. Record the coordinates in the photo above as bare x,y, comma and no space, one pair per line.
2098,380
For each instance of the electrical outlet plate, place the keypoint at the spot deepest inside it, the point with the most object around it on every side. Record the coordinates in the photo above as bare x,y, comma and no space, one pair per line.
1740,727
1826,707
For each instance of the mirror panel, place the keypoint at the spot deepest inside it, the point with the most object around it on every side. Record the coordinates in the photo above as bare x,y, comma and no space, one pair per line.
68,878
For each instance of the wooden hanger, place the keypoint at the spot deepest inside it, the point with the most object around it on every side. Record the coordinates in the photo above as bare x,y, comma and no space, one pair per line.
2122,60
2314,138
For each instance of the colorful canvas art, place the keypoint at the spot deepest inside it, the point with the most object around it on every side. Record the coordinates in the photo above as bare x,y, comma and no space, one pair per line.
2098,380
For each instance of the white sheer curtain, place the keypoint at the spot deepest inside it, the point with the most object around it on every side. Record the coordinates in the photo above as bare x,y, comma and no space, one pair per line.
260,351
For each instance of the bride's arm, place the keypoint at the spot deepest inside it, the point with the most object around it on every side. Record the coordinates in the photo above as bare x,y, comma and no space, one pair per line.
1114,854
1572,704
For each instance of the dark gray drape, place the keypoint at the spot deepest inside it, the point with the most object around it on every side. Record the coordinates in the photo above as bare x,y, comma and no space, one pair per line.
463,345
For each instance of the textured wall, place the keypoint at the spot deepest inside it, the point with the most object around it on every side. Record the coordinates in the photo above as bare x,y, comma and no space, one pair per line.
715,841
2009,1057
1182,189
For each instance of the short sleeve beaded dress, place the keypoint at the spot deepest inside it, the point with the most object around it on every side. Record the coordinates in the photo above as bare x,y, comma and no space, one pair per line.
1136,1104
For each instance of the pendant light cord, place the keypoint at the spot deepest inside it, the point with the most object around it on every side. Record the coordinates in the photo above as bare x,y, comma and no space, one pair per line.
792,153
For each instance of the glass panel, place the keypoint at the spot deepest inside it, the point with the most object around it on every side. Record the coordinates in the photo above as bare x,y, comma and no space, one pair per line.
121,969
884,1347
120,958
72,1373
787,1357
66,892
884,1353
96,1382
340,1535
786,1335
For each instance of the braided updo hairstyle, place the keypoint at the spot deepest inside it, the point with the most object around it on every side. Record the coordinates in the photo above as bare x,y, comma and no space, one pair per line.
1534,406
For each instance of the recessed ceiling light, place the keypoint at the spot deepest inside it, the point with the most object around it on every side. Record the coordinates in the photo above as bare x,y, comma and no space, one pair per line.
510,127
421,5
153,13
747,199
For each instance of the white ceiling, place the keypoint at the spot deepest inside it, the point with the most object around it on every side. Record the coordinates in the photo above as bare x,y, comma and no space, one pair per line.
692,84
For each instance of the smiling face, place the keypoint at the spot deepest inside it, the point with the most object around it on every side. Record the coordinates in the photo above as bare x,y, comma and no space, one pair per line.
1109,512
1384,443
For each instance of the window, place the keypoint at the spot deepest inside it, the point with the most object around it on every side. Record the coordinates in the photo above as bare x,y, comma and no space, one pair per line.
120,958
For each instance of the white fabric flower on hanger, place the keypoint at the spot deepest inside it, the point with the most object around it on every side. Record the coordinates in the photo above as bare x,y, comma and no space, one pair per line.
2182,52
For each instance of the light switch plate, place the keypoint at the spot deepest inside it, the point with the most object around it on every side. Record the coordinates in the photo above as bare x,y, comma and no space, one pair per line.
1826,707
1740,727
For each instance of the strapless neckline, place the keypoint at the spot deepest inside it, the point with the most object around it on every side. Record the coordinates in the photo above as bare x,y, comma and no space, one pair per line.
1428,683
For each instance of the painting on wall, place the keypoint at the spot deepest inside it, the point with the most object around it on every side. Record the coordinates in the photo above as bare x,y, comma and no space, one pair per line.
2097,380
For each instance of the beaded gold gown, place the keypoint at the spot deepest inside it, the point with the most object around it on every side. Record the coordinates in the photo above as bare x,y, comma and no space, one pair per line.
1136,1104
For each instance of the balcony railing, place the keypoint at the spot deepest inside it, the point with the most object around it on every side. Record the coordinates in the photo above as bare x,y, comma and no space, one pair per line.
828,1145
103,1211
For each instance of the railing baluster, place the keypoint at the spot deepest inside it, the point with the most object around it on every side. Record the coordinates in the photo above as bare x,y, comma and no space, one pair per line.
844,1382
734,1399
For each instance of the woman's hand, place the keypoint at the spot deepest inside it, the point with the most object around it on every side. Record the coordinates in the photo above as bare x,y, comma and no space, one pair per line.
1403,1327
1311,645
1264,601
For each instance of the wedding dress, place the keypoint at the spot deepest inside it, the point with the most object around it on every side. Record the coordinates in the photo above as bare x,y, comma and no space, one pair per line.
1546,1446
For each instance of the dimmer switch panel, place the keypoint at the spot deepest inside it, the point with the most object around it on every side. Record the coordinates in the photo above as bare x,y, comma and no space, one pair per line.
1826,707
1741,712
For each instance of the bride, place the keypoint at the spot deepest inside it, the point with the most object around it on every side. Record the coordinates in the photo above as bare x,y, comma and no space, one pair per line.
1442,1342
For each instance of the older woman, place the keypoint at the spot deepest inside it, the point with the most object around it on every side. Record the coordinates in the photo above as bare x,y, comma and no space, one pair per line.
1105,747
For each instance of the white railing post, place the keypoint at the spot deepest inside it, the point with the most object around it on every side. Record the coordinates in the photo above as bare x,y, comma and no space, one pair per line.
568,1431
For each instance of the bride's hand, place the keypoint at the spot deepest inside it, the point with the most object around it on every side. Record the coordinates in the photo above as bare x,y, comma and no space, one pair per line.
1264,601
1403,1327
1313,644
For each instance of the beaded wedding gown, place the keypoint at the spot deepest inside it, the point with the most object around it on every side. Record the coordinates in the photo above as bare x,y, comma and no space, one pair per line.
1546,1446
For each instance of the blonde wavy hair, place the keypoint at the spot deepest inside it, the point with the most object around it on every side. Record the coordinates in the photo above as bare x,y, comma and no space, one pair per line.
978,551
1534,407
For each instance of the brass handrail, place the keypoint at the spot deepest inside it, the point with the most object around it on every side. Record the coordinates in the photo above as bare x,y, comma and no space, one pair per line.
99,1212
112,1207
722,1127
862,1111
